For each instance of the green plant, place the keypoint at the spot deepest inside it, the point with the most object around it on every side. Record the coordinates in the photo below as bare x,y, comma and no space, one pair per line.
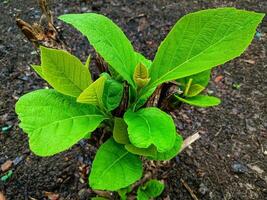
123,100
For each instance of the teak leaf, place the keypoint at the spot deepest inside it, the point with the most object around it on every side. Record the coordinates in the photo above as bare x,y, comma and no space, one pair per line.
108,40
200,100
112,94
150,126
54,122
64,72
114,167
202,40
152,189
120,133
93,93
171,153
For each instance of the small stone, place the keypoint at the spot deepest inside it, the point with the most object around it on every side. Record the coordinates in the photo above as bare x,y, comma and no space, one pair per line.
6,166
2,197
17,160
203,189
239,168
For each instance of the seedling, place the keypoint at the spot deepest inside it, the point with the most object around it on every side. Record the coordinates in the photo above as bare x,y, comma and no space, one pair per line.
126,98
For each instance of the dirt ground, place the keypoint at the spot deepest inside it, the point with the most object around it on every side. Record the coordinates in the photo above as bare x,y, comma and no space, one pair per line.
229,162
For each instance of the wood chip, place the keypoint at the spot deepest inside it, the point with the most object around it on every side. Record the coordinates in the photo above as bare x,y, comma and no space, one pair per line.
191,139
250,61
2,197
6,166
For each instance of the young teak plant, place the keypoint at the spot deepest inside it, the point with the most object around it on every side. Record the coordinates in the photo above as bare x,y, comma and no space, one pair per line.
56,119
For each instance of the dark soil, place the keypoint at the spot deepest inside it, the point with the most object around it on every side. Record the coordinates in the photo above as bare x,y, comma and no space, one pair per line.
228,162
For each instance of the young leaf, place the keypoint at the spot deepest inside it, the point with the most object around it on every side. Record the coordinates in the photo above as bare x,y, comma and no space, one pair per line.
150,151
150,126
54,122
152,189
141,76
201,78
114,167
202,40
194,90
108,40
200,100
120,133
112,94
99,198
93,93
142,59
171,153
64,72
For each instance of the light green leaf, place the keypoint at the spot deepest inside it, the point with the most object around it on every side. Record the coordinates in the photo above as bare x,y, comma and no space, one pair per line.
202,40
150,151
108,40
64,72
201,78
93,93
114,167
194,90
200,100
38,69
123,192
152,189
142,59
150,126
54,122
120,133
112,94
171,153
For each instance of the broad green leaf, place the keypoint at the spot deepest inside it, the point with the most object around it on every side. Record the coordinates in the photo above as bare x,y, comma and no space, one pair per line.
152,189
201,78
108,40
114,167
194,90
141,76
54,122
150,126
112,94
150,151
142,59
171,153
120,133
64,72
200,100
38,69
93,93
202,40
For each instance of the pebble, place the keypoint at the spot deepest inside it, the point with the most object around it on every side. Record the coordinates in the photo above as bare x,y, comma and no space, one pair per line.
239,168
84,194
203,189
6,166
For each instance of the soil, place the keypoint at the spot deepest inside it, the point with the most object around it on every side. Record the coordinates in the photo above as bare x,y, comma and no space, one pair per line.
228,162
